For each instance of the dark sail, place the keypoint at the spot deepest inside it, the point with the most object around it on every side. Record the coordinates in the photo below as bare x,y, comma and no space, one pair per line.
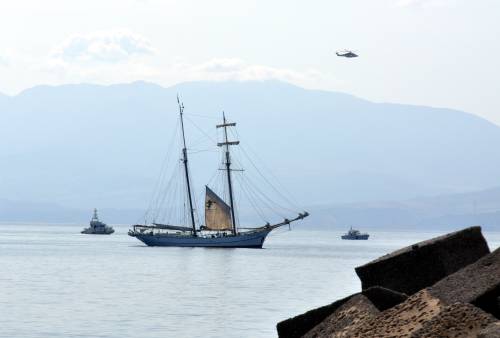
217,212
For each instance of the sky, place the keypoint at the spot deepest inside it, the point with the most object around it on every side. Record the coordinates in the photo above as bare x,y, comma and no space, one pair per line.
442,53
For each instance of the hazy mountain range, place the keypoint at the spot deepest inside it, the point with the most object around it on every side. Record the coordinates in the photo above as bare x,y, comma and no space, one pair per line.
438,212
441,212
80,146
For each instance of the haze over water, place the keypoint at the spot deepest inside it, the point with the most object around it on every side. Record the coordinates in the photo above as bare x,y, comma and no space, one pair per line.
56,282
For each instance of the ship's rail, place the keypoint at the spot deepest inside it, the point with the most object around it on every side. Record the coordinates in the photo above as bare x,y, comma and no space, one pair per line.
166,229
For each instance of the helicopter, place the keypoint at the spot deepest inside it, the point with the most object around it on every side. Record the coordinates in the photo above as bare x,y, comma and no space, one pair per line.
347,54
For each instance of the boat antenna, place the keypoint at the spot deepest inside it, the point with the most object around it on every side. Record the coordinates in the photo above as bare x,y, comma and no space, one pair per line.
226,144
185,161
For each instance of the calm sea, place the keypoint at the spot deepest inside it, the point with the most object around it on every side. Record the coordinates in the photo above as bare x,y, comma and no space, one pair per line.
55,282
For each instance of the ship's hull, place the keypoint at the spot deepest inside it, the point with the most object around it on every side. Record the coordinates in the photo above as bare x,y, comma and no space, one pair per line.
90,231
358,237
243,240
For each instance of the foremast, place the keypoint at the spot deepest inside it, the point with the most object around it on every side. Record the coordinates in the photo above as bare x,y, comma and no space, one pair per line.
186,170
226,145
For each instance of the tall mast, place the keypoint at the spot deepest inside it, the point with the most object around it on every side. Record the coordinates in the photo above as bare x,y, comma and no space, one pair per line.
226,144
186,170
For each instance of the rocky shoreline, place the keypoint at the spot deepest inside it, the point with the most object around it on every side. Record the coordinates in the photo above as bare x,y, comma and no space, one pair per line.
448,286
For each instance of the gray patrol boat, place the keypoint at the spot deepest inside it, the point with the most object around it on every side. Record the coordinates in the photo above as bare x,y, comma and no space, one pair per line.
355,235
97,227
220,228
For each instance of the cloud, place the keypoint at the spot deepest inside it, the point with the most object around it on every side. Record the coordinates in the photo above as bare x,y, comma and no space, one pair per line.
103,73
104,47
7,56
237,69
425,3
104,57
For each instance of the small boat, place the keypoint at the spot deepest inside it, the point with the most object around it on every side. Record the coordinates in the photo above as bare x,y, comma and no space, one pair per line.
221,228
97,227
354,234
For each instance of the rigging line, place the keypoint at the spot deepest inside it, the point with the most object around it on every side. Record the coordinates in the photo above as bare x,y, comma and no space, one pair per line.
187,206
202,131
285,199
179,196
169,194
199,140
202,136
203,151
270,201
290,199
195,202
237,201
183,216
272,186
168,156
166,188
204,116
208,184
161,175
222,185
279,232
154,207
161,193
252,202
175,195
254,197
165,210
266,209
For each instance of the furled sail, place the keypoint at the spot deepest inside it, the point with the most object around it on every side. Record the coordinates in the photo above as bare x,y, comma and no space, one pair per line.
217,212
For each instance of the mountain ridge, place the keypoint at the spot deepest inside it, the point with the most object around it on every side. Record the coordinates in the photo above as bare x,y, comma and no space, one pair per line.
85,145
150,84
450,212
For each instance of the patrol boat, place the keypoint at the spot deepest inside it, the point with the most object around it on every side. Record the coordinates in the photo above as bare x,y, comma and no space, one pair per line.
97,227
220,228
355,234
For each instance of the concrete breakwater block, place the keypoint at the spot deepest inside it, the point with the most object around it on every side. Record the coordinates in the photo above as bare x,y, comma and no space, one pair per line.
491,331
456,320
423,315
463,304
348,316
383,298
399,321
477,283
420,265
298,326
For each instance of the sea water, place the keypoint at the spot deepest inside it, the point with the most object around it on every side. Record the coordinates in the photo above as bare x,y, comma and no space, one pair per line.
56,282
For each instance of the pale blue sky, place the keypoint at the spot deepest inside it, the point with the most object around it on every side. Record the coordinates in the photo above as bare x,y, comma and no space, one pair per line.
432,52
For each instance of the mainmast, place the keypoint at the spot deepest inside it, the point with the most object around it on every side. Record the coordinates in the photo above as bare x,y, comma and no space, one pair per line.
186,170
226,144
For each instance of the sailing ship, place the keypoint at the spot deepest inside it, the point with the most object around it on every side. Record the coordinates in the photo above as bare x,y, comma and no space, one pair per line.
220,228
97,227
